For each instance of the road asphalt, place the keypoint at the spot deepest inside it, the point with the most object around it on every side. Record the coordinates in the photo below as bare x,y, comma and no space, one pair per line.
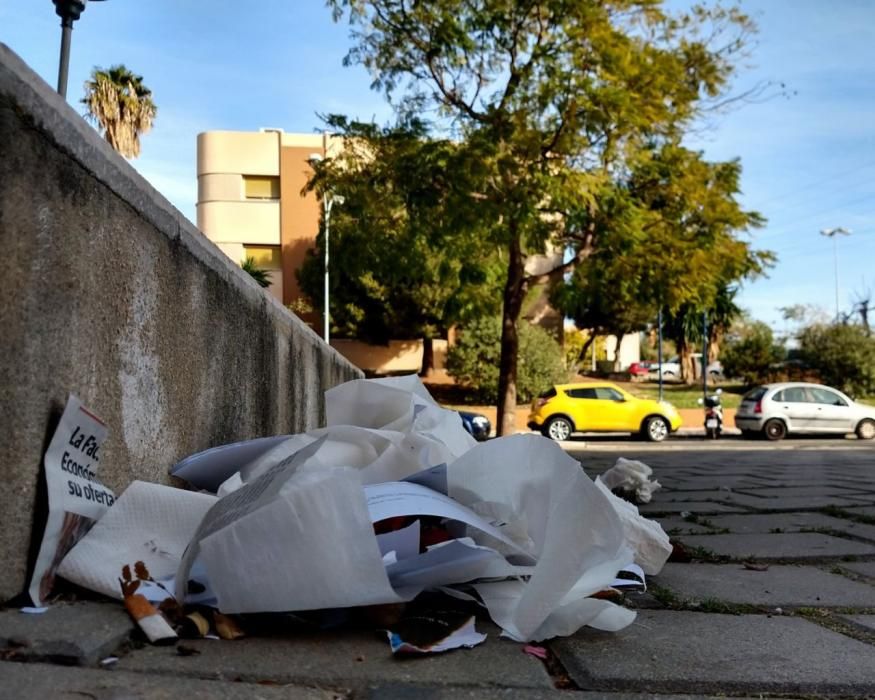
772,594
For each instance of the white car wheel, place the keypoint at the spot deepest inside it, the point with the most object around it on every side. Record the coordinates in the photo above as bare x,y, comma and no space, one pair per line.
866,429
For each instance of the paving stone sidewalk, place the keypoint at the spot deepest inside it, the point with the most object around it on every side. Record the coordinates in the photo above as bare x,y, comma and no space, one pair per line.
777,599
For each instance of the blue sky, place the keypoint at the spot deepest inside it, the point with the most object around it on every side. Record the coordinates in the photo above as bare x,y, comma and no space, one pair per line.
809,159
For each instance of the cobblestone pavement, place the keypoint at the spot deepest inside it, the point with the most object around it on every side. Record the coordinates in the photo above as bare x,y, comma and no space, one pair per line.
777,599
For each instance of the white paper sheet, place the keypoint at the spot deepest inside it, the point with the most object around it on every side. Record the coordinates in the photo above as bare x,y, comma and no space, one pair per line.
577,535
646,537
292,540
404,542
149,523
208,469
76,499
399,498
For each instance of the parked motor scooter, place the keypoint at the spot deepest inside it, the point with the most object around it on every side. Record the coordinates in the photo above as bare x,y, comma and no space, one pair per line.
713,415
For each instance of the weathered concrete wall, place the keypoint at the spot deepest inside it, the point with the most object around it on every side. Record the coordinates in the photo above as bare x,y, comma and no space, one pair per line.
108,292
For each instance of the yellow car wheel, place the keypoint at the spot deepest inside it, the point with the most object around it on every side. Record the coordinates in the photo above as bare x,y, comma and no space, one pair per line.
558,428
656,429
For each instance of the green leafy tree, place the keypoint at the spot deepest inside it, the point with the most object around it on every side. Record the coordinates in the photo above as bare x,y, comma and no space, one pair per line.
473,360
406,260
118,102
550,99
751,352
843,355
669,238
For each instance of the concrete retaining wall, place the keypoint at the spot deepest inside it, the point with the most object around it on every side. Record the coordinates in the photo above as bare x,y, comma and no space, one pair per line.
108,292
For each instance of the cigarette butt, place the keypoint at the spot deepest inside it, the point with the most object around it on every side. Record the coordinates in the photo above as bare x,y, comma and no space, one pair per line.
194,626
149,620
227,627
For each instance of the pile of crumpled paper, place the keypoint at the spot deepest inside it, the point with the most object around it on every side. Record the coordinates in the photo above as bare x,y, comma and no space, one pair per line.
390,499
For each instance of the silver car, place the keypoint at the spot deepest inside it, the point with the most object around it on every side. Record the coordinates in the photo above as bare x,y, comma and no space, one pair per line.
794,407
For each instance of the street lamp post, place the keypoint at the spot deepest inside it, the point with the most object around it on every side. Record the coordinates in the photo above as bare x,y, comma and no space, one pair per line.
328,202
69,11
831,233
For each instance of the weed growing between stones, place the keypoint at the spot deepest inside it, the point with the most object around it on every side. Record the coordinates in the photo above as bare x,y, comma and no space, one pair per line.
828,620
672,601
837,512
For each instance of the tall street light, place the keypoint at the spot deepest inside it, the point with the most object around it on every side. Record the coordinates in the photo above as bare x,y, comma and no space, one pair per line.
328,202
832,233
69,11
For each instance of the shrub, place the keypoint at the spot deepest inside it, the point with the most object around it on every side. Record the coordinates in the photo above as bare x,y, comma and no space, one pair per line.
474,360
750,353
842,355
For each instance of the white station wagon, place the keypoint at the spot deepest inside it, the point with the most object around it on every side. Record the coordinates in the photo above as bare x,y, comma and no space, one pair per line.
794,407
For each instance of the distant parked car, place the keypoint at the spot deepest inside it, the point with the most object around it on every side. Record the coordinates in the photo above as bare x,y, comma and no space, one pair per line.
776,410
671,369
640,369
476,424
600,407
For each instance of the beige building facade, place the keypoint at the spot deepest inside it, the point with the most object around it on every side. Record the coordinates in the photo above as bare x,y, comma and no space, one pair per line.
250,203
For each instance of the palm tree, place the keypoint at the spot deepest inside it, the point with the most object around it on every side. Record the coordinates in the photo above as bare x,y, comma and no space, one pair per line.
258,274
118,103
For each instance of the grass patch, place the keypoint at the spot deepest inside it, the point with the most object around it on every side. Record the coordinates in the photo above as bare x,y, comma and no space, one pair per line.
721,607
670,600
696,519
686,396
837,512
704,554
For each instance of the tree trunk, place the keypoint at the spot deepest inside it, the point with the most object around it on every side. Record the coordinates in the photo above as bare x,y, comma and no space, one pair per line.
514,292
581,357
427,368
686,362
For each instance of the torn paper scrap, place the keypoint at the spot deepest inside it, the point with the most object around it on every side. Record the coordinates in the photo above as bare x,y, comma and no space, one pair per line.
465,636
630,479
76,498
645,536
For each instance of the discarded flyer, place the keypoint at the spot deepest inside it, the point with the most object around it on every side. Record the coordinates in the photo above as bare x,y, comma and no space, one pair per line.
75,498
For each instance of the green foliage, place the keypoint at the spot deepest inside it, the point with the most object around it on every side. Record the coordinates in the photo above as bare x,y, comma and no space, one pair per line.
258,274
407,261
473,360
121,106
842,354
666,236
575,341
749,353
551,104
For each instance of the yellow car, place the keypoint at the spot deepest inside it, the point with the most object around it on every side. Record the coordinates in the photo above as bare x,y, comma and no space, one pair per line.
600,407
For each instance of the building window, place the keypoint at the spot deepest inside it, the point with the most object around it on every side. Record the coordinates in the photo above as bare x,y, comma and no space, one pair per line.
261,187
267,257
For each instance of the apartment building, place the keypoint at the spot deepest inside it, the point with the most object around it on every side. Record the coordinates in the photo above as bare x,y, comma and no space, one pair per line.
250,202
